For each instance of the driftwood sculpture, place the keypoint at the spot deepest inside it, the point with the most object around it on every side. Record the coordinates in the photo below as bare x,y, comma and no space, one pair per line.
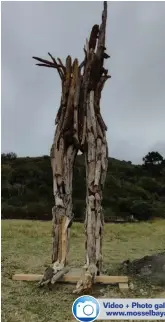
80,126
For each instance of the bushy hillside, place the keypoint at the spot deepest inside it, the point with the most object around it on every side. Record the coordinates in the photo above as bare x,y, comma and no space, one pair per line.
129,189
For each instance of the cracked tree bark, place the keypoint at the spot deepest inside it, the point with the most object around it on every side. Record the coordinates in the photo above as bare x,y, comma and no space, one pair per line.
63,153
80,126
96,156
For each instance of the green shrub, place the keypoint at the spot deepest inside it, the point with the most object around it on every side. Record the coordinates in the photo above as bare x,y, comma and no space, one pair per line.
27,189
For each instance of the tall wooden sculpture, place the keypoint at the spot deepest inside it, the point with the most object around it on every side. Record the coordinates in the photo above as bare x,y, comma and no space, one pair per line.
79,126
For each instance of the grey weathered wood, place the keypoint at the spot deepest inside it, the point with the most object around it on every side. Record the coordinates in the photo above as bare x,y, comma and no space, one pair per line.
79,125
59,274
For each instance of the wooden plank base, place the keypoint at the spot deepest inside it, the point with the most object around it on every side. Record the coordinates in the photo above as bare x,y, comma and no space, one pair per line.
123,286
73,276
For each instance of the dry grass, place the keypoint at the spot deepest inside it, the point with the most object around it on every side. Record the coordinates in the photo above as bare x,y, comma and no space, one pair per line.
26,247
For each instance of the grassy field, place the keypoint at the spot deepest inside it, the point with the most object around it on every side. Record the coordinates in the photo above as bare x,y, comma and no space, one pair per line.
26,247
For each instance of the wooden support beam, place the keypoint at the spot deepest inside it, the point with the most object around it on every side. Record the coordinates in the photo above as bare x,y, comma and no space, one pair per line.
72,277
123,286
27,277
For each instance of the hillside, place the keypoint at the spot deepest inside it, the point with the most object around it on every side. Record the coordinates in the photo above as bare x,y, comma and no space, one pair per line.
129,190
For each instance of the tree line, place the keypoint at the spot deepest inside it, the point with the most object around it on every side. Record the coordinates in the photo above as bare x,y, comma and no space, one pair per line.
131,191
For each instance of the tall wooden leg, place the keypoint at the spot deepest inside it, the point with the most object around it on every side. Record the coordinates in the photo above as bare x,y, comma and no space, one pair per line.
62,211
96,168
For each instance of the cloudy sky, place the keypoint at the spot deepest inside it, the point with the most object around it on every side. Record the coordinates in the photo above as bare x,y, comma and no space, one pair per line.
133,100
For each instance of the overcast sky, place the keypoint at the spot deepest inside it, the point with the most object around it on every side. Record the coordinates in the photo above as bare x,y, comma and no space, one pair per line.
133,100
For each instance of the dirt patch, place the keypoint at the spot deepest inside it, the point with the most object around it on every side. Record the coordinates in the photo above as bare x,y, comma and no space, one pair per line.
150,268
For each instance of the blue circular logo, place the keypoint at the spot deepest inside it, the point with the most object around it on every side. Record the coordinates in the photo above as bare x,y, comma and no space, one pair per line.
86,308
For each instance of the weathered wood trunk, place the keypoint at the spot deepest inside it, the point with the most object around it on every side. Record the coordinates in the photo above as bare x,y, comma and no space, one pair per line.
63,153
62,211
96,155
80,127
96,159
